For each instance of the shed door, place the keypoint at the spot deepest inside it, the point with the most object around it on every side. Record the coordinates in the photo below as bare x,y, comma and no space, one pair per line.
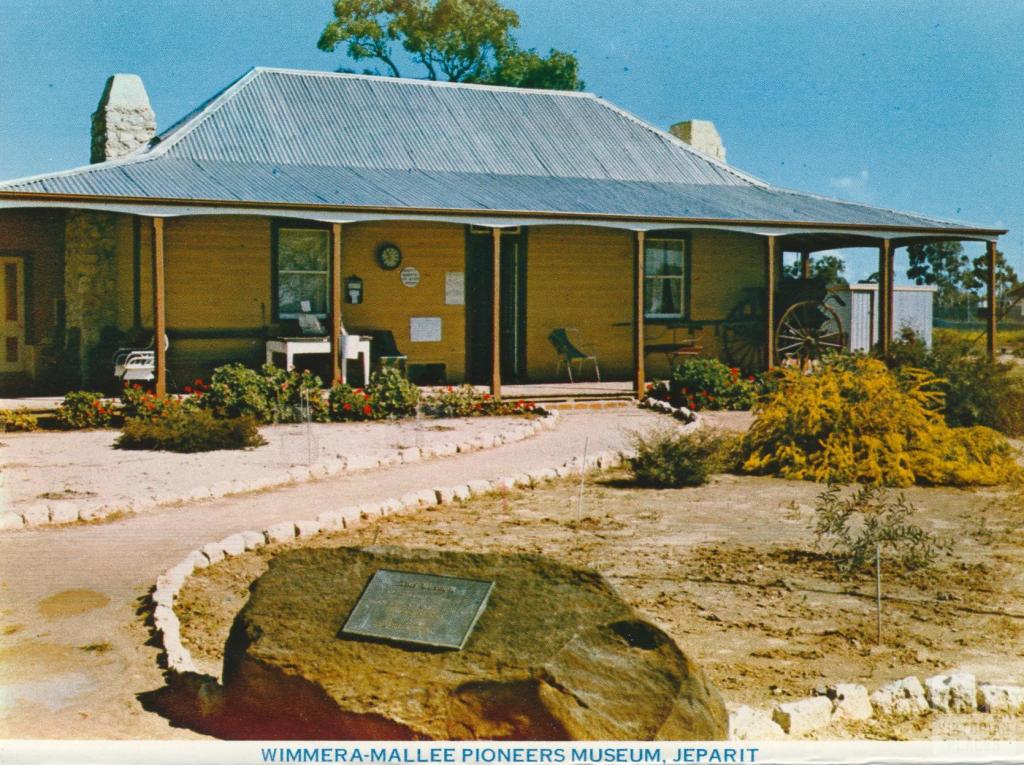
12,314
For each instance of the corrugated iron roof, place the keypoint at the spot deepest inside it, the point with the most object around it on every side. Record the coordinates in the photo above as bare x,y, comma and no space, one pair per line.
317,138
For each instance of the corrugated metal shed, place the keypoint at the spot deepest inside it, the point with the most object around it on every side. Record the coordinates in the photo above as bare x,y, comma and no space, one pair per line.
325,139
858,312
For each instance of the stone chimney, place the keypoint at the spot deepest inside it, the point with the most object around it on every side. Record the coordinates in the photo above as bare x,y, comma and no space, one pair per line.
701,135
123,120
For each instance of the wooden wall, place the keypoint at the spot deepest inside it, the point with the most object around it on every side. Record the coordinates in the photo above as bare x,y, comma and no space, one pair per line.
433,249
581,277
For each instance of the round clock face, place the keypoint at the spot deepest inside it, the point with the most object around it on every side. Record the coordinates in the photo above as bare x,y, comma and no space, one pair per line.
389,256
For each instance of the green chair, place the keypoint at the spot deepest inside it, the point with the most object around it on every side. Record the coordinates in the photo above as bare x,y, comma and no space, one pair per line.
569,351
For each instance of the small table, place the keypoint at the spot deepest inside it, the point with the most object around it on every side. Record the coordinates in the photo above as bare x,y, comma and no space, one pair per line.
352,347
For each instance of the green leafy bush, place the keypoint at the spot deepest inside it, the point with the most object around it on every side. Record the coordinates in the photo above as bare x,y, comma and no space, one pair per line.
467,401
852,420
84,409
388,395
12,421
348,403
668,458
852,528
267,395
137,401
187,431
704,383
977,391
393,395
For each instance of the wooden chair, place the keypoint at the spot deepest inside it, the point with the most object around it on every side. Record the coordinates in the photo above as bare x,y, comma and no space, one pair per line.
570,353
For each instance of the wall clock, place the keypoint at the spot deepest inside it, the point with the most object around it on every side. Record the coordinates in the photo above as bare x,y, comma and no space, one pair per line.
389,257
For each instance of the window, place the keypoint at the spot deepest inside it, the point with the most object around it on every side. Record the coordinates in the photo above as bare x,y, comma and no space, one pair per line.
665,293
303,273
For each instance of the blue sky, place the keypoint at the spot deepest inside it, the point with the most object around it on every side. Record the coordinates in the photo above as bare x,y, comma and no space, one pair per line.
915,106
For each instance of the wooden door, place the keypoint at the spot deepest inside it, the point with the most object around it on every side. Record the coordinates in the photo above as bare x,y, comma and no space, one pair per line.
512,316
12,314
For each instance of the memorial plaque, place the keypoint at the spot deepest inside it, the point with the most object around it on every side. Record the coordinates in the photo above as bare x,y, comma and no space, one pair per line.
419,609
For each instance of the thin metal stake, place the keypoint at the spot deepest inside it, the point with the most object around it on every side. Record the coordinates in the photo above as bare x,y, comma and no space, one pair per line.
583,478
878,590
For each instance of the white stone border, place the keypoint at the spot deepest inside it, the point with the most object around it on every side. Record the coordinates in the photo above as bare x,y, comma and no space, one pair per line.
954,692
169,584
61,512
686,415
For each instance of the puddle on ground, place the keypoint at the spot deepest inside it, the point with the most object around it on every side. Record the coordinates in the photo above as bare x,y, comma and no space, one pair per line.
71,603
54,693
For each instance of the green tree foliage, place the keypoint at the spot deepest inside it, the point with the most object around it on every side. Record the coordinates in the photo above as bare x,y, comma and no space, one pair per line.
827,267
942,264
460,40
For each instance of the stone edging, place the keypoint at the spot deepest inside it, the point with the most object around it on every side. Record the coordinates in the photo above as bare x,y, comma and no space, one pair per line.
956,692
169,584
59,512
690,417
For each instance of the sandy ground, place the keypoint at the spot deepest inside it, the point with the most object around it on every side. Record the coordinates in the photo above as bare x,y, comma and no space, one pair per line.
731,571
53,465
76,657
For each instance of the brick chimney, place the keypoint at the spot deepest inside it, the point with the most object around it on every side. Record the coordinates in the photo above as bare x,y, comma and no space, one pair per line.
123,120
701,135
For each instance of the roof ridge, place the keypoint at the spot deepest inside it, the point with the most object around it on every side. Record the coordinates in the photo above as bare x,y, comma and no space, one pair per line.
422,82
162,143
664,134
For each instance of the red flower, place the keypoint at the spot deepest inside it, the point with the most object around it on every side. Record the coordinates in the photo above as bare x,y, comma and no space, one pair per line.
686,391
750,378
188,388
347,407
487,396
367,409
284,386
198,382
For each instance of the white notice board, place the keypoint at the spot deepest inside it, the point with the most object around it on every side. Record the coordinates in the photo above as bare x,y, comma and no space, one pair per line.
455,288
425,329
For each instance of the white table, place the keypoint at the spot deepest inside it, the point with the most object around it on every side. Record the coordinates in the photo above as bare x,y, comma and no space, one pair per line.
352,347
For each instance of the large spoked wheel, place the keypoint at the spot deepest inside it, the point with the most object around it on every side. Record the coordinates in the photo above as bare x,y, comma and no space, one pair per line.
743,333
807,331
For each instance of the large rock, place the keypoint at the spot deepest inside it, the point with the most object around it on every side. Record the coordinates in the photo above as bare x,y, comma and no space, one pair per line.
556,654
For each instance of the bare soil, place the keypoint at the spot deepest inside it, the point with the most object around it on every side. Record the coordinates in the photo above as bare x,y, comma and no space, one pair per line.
731,570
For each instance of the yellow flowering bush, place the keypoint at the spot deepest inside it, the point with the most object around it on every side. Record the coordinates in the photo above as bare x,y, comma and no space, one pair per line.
854,420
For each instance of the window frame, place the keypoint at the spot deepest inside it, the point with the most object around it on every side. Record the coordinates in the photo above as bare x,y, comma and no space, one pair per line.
275,269
685,278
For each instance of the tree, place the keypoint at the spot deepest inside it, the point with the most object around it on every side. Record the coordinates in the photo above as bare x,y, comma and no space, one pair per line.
460,40
828,268
1006,277
942,264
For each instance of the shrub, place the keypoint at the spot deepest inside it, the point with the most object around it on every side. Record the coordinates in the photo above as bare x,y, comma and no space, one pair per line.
467,401
137,401
84,409
853,527
669,458
854,421
188,431
707,384
393,395
348,403
12,421
267,395
977,391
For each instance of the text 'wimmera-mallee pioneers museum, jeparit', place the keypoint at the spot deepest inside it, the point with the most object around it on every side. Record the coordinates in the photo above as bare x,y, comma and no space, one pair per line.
481,234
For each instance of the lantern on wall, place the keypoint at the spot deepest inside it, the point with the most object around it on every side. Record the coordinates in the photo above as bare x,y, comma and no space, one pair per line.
353,290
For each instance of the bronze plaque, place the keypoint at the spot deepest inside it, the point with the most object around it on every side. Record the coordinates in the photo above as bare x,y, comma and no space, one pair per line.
419,609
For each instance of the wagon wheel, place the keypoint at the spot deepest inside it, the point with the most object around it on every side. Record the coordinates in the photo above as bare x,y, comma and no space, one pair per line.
807,331
743,333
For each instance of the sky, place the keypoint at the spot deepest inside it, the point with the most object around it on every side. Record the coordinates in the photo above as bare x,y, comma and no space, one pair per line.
914,106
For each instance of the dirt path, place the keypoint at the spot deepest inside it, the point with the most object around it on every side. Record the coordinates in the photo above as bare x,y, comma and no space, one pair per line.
730,570
73,653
